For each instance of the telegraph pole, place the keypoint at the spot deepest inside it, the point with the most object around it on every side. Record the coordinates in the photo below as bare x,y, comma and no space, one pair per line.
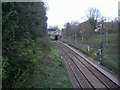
81,36
75,38
99,29
106,39
101,44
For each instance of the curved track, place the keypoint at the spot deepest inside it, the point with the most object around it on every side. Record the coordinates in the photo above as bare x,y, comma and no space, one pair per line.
85,74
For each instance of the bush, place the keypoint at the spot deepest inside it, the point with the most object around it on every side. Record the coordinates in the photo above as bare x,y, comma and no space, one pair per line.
22,24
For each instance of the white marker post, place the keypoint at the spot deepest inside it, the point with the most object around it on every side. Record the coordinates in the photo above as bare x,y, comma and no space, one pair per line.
88,48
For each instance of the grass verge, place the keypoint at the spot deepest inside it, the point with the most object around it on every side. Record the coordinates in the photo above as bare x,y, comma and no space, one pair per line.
110,55
54,73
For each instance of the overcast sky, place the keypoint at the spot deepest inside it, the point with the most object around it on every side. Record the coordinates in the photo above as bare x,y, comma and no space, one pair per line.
61,11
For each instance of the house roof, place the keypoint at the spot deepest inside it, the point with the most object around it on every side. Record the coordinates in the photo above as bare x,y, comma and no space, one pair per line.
52,29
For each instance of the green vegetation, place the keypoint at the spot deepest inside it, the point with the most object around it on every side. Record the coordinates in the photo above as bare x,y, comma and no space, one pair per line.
54,74
24,29
29,58
110,55
90,38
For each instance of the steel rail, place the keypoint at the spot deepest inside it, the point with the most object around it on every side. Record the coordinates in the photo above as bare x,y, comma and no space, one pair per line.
80,70
92,65
92,72
76,67
74,73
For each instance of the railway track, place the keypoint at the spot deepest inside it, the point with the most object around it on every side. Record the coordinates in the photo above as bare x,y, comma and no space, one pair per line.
84,74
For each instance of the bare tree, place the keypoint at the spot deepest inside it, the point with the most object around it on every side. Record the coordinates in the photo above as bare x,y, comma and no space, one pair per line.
93,14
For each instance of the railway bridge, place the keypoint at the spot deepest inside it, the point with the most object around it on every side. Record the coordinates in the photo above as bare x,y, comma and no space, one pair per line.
54,33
